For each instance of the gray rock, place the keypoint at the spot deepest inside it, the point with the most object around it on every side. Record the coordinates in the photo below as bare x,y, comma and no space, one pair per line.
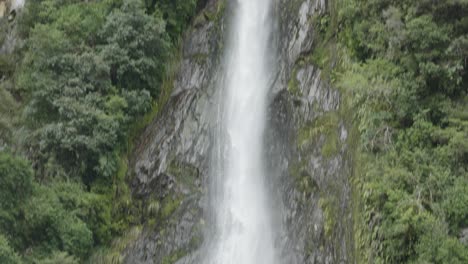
312,191
464,236
171,159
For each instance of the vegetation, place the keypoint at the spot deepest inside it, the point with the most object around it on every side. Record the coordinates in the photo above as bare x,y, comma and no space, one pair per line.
406,72
68,99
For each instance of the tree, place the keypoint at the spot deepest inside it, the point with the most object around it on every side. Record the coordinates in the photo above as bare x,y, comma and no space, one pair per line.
136,48
16,181
7,254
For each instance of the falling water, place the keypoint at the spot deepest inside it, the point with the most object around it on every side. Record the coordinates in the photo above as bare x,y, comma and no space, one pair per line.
17,4
243,224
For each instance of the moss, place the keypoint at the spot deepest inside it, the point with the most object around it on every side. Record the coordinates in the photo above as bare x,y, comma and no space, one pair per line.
174,257
195,241
185,174
122,168
326,125
326,53
293,84
304,181
113,254
153,208
214,16
330,209
200,58
3,30
158,211
332,144
169,206
307,135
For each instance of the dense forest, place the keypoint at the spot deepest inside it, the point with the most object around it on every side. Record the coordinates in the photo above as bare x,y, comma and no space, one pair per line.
73,96
405,66
88,75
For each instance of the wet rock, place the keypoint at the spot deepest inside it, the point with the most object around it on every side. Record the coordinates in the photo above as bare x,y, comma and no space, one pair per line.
306,143
308,154
171,161
3,9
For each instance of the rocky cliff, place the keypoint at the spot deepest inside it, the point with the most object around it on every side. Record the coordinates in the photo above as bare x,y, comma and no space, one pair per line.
9,9
307,139
309,143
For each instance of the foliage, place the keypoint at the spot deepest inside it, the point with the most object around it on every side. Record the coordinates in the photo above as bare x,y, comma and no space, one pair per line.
408,79
7,255
16,180
137,48
176,13
69,98
59,258
80,95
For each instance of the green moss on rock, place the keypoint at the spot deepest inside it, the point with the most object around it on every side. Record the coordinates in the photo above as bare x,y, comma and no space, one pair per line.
169,206
174,257
327,126
330,212
293,84
304,181
185,173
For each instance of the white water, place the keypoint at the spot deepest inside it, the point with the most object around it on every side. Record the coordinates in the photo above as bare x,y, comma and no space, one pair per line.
16,4
243,224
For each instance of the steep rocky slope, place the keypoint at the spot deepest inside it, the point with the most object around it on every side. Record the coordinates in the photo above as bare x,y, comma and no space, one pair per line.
8,12
171,161
307,139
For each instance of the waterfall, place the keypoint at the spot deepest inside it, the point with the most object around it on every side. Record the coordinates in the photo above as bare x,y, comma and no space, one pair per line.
243,231
16,4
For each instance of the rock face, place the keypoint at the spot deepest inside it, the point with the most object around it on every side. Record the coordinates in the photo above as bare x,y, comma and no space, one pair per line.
8,35
171,161
307,139
3,9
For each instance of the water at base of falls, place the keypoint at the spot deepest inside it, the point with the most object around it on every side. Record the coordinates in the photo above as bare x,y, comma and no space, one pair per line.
244,234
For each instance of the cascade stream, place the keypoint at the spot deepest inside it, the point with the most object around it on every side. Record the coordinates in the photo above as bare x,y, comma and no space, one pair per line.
244,231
